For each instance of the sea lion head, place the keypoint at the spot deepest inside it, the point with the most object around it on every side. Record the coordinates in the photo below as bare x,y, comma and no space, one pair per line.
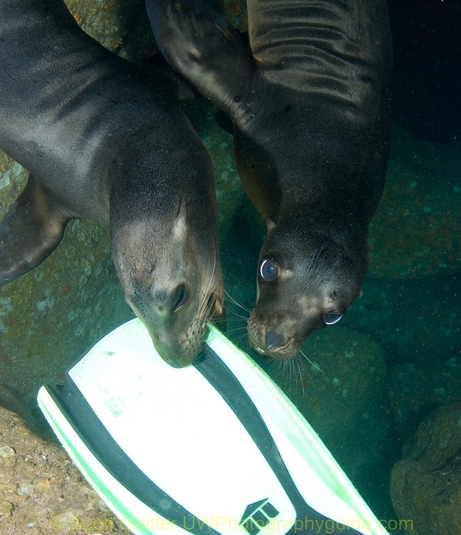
306,281
167,259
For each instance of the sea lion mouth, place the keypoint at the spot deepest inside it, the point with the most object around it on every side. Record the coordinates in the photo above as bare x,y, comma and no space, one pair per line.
285,352
278,336
187,347
272,344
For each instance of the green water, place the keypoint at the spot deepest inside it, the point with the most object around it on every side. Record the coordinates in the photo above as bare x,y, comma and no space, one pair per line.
365,385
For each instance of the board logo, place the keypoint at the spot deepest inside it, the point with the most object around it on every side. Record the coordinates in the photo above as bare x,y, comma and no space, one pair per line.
257,516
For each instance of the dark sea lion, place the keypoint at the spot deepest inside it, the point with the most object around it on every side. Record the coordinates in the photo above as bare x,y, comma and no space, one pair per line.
309,101
102,142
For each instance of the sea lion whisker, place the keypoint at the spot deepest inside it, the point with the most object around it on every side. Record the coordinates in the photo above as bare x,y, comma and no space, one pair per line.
218,320
235,302
277,367
237,330
298,365
205,306
301,352
203,310
287,369
273,365
206,310
240,317
242,341
211,303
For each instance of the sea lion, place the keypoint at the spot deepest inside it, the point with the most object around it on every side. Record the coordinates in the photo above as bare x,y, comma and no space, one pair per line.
103,142
309,103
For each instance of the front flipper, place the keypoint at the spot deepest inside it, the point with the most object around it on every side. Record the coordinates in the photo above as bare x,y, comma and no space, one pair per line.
31,230
204,48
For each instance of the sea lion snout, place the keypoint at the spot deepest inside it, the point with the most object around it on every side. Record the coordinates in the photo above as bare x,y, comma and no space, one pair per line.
281,320
178,333
278,331
172,280
280,336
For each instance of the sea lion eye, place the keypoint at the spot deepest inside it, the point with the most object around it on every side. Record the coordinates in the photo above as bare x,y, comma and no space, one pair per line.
330,318
182,296
268,270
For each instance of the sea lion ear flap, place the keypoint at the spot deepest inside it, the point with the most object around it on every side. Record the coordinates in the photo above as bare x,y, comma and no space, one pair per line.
180,224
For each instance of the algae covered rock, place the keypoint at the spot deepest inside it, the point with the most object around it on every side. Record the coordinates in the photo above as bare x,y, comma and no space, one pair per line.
426,484
51,316
122,27
416,230
13,178
42,492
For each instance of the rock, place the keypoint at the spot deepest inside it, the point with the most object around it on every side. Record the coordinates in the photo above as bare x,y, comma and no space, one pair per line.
5,507
42,492
13,178
229,195
52,315
6,451
416,230
415,389
122,27
414,321
425,485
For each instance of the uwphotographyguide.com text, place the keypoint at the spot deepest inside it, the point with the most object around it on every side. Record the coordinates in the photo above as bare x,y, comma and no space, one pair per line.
221,524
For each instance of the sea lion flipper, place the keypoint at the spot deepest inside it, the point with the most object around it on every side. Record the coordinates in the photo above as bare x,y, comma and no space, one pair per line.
31,230
207,50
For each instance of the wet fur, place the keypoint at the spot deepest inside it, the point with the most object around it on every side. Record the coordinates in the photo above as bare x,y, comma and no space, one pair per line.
102,141
309,103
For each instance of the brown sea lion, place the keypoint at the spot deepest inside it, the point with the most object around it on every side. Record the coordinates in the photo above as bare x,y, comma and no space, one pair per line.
103,142
309,103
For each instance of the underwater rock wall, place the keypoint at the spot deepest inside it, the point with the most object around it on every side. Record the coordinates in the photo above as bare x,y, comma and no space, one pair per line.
426,483
416,231
52,315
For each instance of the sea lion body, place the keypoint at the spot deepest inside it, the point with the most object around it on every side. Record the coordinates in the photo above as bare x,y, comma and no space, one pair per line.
309,102
103,142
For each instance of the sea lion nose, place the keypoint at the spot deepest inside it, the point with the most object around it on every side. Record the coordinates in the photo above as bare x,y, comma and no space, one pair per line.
273,340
